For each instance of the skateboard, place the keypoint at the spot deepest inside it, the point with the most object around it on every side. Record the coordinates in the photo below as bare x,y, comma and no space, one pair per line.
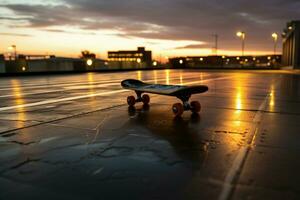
183,93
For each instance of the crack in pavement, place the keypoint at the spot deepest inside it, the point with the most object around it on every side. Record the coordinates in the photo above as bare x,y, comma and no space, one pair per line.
67,117
23,143
19,165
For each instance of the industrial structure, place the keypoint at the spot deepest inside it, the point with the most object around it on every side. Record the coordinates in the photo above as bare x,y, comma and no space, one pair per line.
2,64
291,45
139,58
41,64
268,61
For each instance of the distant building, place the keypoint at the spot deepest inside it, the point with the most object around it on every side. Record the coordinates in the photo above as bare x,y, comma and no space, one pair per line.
2,64
40,64
225,61
139,58
291,45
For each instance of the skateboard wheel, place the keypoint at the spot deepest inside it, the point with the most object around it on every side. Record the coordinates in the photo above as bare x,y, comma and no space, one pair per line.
177,109
146,99
131,100
195,106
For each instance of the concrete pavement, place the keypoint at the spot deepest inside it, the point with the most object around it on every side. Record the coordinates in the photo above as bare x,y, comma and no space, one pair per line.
73,137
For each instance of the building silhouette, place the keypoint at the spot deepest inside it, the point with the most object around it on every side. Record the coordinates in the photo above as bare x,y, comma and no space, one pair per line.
266,61
291,45
139,58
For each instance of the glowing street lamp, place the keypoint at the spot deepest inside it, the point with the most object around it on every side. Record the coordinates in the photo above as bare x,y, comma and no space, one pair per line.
89,62
242,35
275,38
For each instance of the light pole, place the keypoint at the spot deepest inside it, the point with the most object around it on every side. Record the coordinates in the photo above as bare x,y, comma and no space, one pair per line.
275,38
242,35
215,48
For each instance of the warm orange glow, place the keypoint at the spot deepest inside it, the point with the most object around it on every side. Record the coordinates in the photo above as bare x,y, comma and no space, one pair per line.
90,77
201,76
53,43
89,62
19,101
272,98
241,34
239,95
155,76
181,79
275,36
167,76
139,75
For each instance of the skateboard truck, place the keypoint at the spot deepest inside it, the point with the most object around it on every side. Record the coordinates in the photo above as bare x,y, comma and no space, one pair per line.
179,108
131,100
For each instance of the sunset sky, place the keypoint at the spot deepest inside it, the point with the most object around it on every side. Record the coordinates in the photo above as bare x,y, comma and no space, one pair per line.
167,27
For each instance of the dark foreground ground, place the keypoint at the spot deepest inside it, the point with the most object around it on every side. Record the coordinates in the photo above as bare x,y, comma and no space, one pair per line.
73,137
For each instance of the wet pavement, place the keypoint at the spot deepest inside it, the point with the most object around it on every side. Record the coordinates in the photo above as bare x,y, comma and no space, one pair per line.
74,137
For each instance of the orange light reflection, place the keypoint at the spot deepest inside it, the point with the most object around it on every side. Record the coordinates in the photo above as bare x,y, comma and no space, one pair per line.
19,101
155,76
167,77
272,98
139,75
181,79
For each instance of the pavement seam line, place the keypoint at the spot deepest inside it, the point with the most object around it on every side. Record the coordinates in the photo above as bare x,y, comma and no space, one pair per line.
238,163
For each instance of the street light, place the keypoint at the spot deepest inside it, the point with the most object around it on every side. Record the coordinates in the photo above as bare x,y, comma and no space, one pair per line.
14,48
275,37
242,35
89,62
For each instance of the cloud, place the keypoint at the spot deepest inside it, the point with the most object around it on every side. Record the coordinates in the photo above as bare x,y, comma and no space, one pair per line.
195,46
15,34
67,31
191,20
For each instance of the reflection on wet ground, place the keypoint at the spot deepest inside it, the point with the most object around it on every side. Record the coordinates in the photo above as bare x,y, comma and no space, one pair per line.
74,137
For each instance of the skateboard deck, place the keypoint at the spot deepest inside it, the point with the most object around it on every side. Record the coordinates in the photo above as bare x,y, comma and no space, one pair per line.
182,92
170,90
